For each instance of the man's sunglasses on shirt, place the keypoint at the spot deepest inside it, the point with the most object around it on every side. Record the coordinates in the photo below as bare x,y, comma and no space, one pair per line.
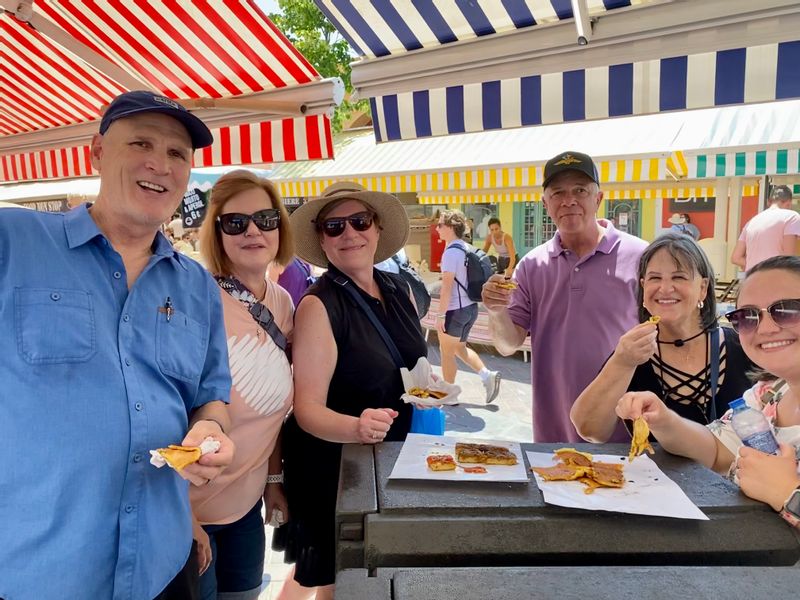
334,227
784,313
237,223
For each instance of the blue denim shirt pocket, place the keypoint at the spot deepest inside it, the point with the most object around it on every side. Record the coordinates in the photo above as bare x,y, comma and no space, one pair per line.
54,325
181,346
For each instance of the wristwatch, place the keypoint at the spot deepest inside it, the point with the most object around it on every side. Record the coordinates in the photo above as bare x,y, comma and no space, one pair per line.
791,508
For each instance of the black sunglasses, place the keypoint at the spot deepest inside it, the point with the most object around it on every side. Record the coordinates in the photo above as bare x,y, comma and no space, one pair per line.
784,313
334,227
237,223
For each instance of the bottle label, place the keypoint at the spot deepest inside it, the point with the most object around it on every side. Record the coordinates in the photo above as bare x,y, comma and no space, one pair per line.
763,441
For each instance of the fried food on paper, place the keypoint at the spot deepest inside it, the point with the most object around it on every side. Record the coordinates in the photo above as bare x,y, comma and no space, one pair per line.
441,462
423,393
641,439
484,454
571,456
579,466
507,284
654,319
179,457
560,472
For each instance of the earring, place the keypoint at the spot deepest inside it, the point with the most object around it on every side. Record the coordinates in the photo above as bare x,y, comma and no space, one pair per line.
701,304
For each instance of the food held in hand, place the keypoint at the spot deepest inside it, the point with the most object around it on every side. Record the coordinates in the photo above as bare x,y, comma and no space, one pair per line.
441,462
423,393
507,284
654,319
485,454
640,441
580,466
179,457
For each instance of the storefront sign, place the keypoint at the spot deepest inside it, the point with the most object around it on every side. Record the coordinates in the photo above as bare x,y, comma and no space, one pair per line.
193,208
692,204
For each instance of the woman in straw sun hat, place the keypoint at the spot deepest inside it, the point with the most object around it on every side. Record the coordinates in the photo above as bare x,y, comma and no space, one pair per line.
347,383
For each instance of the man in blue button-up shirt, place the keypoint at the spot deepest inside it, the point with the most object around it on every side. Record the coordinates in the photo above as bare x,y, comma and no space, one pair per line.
112,344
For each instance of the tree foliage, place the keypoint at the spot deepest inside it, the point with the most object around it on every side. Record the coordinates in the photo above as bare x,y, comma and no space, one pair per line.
302,22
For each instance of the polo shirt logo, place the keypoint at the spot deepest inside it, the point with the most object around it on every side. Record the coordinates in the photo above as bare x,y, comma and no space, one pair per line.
568,159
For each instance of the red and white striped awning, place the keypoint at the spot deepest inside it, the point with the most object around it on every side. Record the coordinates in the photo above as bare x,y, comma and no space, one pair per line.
62,61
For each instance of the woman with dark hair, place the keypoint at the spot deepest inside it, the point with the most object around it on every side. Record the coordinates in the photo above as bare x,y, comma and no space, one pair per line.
695,366
767,317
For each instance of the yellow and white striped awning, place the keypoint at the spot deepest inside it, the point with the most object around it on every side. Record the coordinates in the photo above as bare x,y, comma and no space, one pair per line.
659,190
477,181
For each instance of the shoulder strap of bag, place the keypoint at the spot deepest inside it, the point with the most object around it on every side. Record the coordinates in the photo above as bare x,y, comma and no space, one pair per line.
466,253
349,288
714,370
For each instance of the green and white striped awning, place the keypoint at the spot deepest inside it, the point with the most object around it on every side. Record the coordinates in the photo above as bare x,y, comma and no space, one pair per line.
744,164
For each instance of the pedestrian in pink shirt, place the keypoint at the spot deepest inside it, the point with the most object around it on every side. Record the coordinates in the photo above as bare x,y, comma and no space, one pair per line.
770,233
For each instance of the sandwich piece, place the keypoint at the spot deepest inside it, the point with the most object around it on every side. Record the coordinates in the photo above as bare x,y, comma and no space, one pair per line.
507,285
469,453
654,319
608,474
640,440
441,462
571,456
484,454
423,393
560,472
179,457
499,455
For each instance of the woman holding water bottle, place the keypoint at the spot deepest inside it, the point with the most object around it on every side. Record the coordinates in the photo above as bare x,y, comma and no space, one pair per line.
767,319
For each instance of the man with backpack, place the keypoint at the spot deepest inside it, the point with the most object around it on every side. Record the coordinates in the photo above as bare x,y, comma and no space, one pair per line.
576,295
463,275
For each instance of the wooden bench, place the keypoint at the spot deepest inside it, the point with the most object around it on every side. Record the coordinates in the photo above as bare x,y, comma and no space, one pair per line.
479,334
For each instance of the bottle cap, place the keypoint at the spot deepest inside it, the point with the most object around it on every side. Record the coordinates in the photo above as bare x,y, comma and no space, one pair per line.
738,403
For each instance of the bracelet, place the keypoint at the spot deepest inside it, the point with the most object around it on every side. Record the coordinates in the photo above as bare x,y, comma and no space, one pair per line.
277,478
221,428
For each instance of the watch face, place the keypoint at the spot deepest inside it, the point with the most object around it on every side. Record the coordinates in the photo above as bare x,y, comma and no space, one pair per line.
793,503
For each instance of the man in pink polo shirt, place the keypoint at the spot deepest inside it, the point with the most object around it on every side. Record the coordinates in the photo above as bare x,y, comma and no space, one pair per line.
576,295
770,233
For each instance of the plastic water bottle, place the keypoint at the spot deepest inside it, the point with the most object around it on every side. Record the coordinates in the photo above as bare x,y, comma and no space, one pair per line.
752,427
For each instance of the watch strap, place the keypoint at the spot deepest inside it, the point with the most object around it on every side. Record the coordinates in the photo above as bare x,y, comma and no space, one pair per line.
277,478
791,508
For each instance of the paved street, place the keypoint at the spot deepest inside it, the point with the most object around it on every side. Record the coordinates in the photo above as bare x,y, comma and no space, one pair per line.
507,418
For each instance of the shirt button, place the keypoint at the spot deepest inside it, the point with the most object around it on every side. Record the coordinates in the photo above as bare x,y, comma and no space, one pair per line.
138,406
117,274
137,458
129,508
128,362
126,318
577,269
55,296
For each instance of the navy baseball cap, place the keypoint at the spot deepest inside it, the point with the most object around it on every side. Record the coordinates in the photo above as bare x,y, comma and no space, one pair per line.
570,161
141,101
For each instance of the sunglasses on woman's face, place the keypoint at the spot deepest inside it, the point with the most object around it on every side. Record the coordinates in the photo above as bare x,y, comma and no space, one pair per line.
237,223
784,313
334,227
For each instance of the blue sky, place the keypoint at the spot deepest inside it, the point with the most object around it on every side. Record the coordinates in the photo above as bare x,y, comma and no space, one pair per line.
268,6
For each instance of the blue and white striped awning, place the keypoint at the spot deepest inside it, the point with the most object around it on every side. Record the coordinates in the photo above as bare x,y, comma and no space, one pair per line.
438,68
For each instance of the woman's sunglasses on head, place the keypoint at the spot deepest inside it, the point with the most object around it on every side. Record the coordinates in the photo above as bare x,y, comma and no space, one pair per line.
334,227
237,223
784,313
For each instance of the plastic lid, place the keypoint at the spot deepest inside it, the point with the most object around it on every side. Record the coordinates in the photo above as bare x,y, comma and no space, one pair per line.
737,404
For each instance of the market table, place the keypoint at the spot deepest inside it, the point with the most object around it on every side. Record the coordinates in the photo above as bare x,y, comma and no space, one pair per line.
430,524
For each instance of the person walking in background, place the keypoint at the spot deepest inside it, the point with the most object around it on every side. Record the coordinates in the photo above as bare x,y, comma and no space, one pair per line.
246,228
503,245
295,278
111,348
457,313
682,223
576,296
773,232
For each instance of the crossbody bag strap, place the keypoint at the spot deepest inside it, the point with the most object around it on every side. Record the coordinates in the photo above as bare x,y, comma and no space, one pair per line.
714,371
349,288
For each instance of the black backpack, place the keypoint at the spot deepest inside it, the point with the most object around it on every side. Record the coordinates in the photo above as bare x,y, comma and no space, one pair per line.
421,294
479,269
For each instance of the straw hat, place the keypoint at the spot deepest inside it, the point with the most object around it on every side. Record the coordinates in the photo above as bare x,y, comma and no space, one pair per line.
392,216
676,219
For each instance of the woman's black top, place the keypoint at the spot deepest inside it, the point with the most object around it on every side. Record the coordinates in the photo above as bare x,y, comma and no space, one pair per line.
365,376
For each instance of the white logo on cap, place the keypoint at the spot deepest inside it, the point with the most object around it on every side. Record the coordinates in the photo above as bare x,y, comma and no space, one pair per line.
168,102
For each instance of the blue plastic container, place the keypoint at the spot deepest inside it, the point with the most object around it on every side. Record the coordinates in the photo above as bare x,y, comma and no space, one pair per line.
427,420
